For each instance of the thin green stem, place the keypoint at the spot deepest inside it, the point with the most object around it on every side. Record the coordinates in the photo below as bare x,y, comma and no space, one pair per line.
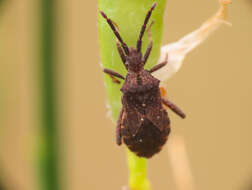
2,105
129,16
138,172
48,155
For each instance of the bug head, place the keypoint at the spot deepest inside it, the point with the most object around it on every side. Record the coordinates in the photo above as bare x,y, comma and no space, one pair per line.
131,57
134,60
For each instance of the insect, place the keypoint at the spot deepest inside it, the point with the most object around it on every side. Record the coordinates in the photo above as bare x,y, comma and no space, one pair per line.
143,124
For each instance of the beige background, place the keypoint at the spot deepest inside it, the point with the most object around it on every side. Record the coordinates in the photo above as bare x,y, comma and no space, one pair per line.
213,87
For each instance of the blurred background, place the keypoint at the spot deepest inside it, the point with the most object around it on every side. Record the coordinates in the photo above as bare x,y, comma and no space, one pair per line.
213,88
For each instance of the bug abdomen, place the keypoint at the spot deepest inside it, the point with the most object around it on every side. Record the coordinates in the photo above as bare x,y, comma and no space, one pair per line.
148,140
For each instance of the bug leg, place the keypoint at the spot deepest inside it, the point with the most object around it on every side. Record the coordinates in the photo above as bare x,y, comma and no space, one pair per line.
149,48
147,53
160,65
113,73
139,41
121,53
173,107
118,129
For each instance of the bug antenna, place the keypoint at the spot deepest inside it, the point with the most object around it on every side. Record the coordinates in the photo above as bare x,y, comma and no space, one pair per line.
114,29
139,42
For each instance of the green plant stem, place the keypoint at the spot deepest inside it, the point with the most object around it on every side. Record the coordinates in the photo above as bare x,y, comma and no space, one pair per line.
48,155
138,172
129,16
2,103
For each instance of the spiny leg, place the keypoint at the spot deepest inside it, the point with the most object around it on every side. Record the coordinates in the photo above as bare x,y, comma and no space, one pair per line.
110,22
148,50
173,107
160,65
118,129
121,53
113,75
139,42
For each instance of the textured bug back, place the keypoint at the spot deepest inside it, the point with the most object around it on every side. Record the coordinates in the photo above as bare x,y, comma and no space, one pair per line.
145,124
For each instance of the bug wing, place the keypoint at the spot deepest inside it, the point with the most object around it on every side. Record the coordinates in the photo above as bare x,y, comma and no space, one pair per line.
158,116
155,112
132,120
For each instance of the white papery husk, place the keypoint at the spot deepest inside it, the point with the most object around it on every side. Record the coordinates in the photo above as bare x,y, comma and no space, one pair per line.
178,50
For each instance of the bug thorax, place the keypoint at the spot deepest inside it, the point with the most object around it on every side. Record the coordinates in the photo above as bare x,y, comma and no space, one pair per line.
134,60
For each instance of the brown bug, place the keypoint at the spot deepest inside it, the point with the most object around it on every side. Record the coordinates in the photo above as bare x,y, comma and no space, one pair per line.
143,124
